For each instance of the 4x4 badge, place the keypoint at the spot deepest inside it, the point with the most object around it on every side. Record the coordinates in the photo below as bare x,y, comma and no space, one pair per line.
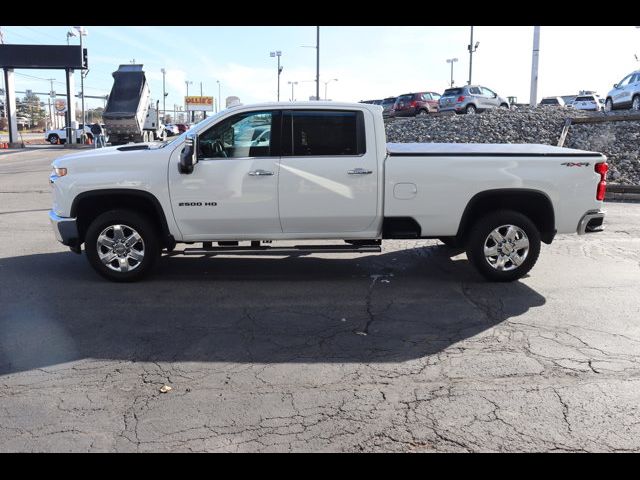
576,164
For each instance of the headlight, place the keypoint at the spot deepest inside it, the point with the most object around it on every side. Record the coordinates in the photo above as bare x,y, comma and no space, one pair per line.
57,173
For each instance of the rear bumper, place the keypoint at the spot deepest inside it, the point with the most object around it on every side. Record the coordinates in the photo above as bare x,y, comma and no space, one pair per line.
65,230
591,222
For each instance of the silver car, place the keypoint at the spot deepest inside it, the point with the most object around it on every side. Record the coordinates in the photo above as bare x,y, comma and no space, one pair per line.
471,99
625,94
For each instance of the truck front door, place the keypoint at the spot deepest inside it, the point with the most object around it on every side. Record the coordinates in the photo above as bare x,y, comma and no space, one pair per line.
328,172
232,191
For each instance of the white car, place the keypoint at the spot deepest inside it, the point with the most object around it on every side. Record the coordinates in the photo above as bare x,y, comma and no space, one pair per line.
552,102
56,136
625,94
587,102
326,173
172,129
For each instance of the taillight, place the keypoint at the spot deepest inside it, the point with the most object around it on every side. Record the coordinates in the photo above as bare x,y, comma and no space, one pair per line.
461,98
413,104
602,168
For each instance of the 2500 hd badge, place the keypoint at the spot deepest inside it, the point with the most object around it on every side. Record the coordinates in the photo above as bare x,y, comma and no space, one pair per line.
197,204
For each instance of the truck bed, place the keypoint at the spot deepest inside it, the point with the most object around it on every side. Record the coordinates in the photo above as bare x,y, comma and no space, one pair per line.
483,149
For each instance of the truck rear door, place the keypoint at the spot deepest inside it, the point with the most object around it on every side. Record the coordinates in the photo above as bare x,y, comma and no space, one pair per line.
328,180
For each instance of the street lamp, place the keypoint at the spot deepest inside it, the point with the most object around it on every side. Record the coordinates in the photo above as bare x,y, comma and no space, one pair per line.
452,61
325,86
472,50
278,54
292,84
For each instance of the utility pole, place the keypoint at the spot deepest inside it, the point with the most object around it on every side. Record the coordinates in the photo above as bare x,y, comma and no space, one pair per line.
452,61
187,82
472,48
219,98
164,95
317,63
51,97
533,100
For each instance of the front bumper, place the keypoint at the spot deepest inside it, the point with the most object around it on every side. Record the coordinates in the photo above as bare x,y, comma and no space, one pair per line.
591,222
65,229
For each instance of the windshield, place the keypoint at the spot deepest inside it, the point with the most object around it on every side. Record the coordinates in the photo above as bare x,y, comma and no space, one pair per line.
452,92
585,99
204,123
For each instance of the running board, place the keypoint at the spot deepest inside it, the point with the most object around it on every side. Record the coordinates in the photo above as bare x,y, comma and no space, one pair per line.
295,250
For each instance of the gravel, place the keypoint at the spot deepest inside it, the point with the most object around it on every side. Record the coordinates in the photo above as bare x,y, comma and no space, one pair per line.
619,141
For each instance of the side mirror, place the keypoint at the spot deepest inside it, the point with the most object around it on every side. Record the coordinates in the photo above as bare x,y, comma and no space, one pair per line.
495,95
615,85
189,154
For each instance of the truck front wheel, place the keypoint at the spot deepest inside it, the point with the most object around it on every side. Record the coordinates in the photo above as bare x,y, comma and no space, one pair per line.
122,245
503,245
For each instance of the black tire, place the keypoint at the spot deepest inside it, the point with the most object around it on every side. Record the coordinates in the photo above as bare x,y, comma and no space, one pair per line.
608,105
150,245
423,112
479,234
471,110
53,139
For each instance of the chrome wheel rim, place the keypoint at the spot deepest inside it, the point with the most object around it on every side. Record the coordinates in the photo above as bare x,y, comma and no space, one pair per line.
506,247
471,110
120,248
636,103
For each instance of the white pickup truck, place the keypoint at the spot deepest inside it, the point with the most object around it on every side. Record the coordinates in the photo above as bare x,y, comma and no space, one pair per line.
319,170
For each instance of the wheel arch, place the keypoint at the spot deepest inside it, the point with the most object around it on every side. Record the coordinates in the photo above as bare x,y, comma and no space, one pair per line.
88,205
535,204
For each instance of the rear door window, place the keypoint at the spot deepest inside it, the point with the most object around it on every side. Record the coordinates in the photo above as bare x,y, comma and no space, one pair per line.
323,133
452,92
475,91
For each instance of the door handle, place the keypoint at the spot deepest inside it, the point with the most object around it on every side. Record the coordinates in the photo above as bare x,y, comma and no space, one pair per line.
260,173
359,171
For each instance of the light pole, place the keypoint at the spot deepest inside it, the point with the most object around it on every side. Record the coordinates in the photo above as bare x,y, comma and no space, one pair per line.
278,54
187,83
292,84
325,86
164,95
219,97
472,48
452,61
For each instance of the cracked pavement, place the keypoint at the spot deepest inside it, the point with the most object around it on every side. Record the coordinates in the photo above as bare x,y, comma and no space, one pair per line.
408,350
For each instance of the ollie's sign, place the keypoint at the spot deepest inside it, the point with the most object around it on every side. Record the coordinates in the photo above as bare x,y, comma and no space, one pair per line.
199,103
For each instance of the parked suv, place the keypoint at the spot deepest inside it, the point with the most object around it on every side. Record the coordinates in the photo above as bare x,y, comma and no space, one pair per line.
587,102
412,104
552,102
387,106
471,99
625,94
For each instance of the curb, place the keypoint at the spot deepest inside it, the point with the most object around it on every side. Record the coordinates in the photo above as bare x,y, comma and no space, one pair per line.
623,193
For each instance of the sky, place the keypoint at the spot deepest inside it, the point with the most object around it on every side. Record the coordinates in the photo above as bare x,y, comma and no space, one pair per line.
368,62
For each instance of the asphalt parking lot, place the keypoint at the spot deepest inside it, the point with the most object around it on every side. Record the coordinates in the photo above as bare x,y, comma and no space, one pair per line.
408,350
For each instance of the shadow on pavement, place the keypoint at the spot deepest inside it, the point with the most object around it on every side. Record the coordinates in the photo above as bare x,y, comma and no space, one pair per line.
388,307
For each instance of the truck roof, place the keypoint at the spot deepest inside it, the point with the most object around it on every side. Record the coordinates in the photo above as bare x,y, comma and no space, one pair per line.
311,104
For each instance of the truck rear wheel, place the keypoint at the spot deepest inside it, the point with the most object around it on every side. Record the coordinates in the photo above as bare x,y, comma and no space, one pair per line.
503,245
122,245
